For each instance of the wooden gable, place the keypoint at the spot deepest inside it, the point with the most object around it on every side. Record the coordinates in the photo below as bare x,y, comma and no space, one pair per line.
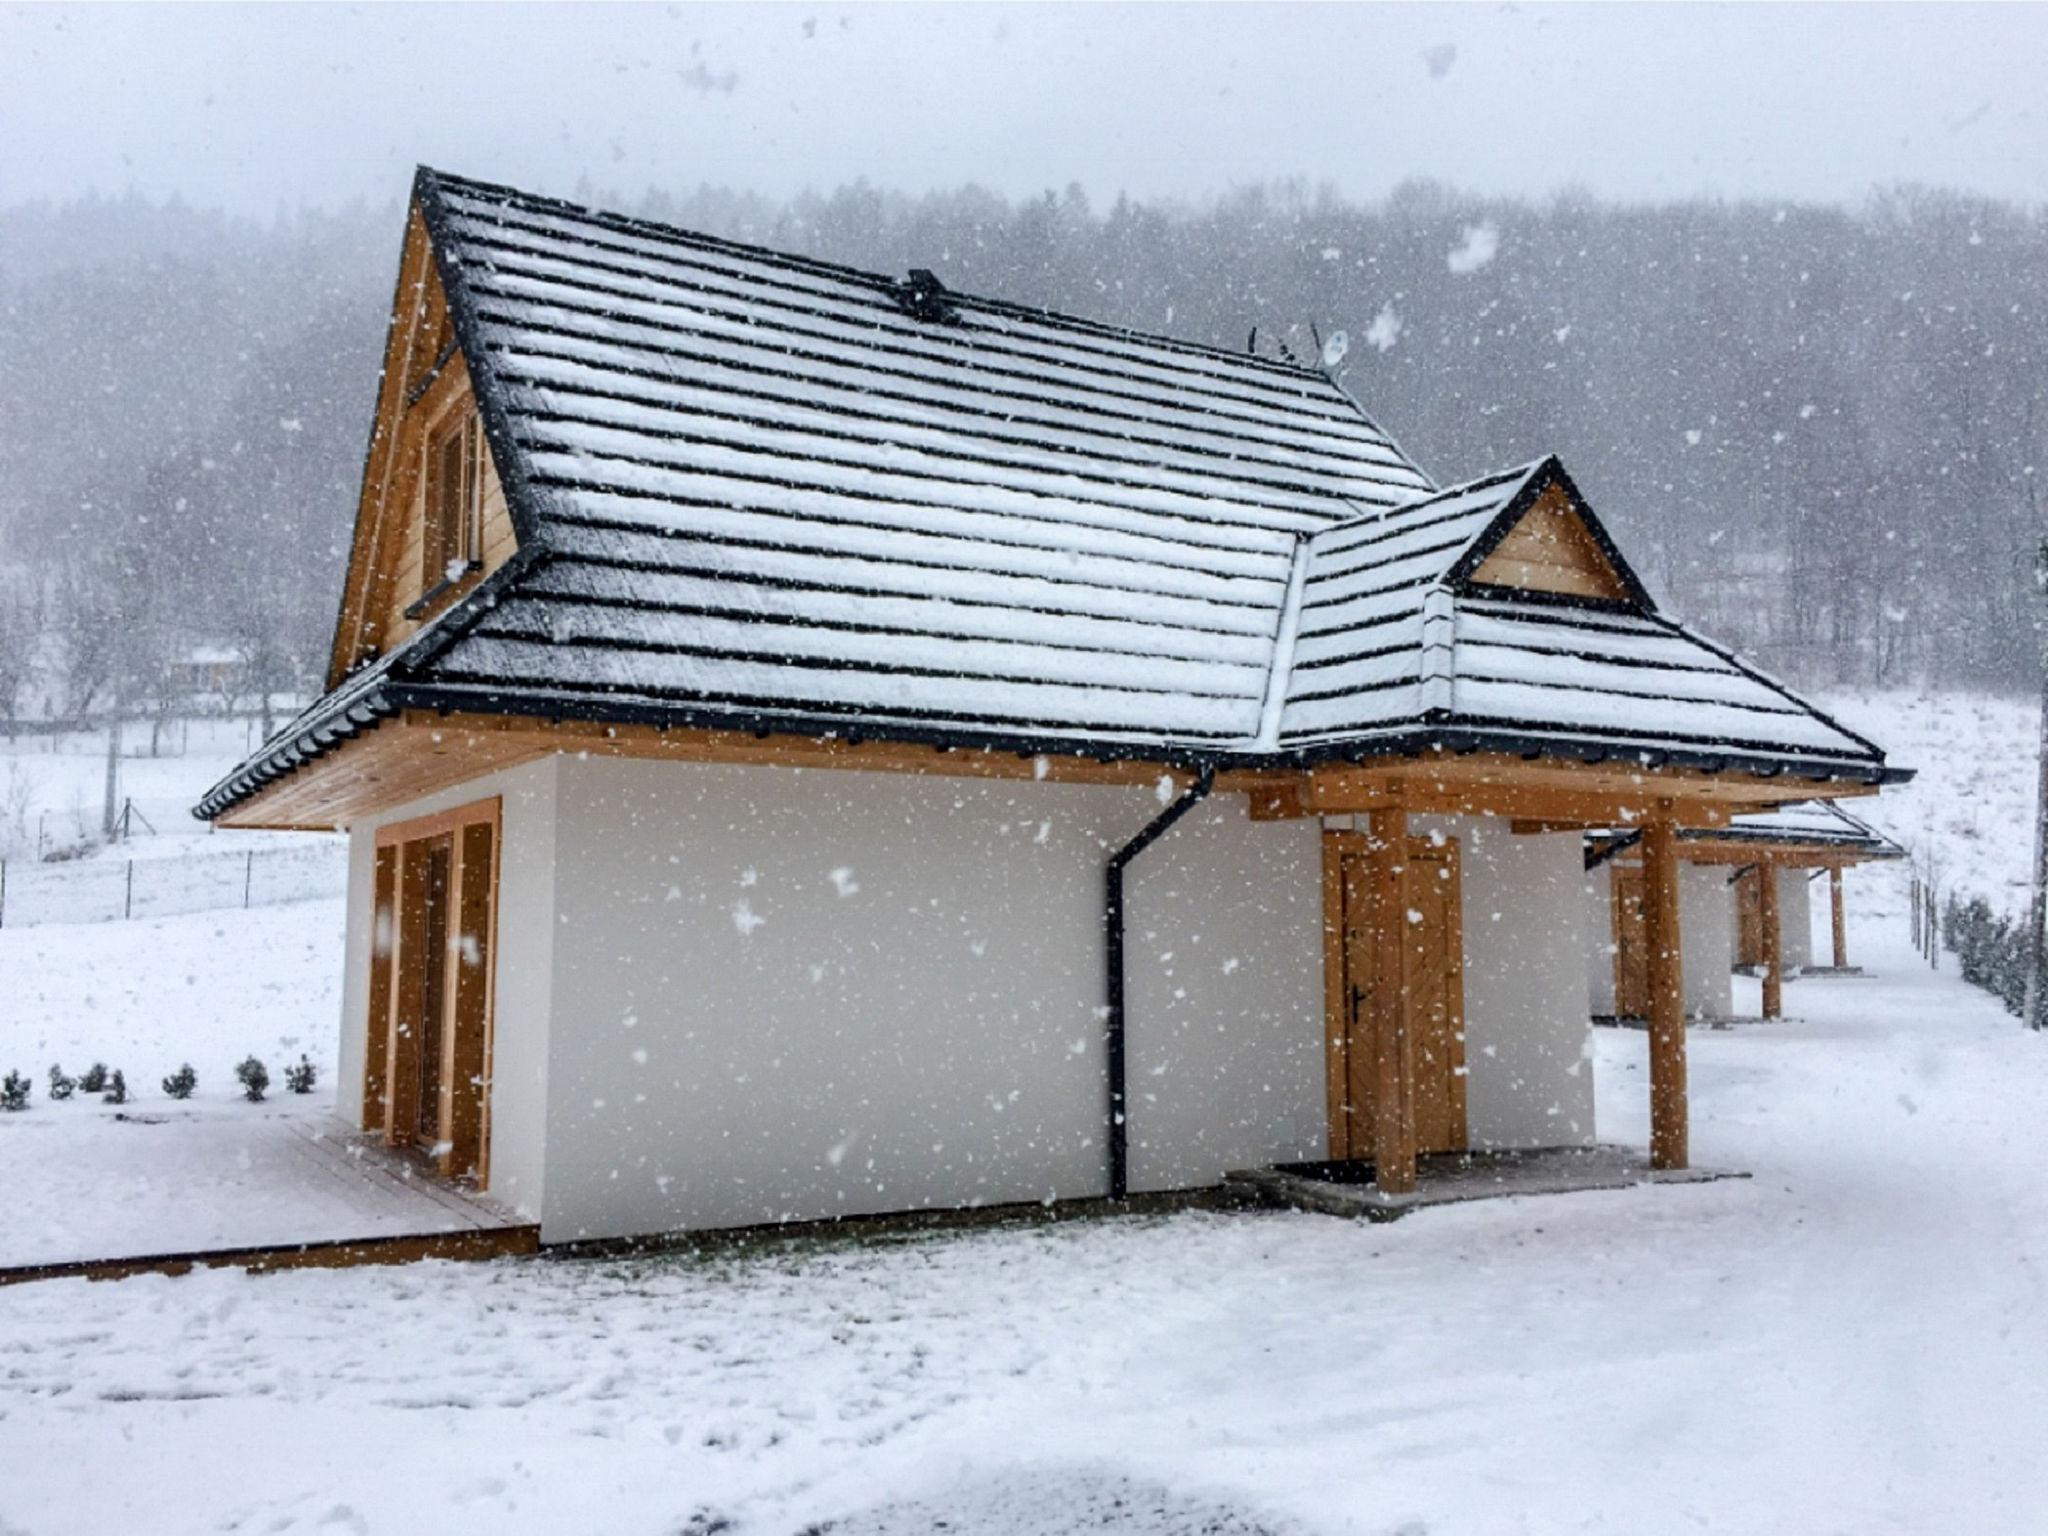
1550,549
425,391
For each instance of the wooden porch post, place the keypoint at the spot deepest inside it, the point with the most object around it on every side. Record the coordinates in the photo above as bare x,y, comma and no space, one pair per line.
1841,921
1668,1130
1393,1153
1774,947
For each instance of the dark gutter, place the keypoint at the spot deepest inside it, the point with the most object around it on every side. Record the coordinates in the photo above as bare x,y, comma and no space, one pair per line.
1113,916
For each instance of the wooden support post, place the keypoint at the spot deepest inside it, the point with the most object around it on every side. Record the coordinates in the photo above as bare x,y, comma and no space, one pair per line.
1841,920
1393,1153
1773,937
1668,1130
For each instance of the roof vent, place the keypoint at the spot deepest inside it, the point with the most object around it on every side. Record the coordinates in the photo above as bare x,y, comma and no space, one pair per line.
924,296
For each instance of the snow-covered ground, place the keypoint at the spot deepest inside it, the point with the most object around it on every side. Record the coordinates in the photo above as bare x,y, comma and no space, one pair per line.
1852,1341
147,996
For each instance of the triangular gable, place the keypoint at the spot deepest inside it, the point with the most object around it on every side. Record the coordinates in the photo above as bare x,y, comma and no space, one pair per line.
425,378
1547,541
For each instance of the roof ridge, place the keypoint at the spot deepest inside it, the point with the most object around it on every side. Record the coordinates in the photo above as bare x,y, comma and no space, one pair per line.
882,280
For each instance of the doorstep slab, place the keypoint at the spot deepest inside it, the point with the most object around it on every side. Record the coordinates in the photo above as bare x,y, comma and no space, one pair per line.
1346,1189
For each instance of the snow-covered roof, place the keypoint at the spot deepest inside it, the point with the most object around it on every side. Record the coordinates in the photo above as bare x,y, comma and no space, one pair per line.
1804,824
757,490
1807,822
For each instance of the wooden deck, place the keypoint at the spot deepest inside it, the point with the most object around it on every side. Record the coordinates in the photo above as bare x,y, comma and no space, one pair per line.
167,1190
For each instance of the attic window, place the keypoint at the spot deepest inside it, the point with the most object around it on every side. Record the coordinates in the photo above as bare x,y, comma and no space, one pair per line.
451,541
924,296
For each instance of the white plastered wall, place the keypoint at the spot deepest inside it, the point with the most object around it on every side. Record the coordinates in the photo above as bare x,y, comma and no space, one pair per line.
524,996
1795,917
1706,925
782,994
1224,964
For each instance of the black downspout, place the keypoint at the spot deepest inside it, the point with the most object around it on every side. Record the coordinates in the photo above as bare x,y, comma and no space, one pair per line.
1113,911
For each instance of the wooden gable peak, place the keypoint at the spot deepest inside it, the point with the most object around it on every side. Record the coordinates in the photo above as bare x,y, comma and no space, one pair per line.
1547,541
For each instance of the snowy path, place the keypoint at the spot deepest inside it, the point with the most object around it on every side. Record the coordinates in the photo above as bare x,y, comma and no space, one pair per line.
1856,1340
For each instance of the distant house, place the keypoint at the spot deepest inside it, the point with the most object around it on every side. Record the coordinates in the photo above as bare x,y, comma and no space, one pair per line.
1745,901
817,743
199,669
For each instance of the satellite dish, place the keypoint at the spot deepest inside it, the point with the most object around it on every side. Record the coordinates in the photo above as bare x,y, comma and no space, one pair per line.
1335,348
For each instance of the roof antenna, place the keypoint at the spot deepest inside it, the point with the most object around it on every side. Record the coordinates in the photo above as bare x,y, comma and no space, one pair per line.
923,296
1251,342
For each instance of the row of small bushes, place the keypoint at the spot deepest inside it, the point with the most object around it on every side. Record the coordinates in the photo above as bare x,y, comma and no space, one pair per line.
1991,949
112,1087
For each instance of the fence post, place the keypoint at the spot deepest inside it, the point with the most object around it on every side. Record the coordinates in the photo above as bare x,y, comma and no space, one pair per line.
128,901
248,876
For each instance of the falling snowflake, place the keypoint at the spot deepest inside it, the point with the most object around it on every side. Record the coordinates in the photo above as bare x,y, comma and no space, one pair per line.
1480,245
1385,329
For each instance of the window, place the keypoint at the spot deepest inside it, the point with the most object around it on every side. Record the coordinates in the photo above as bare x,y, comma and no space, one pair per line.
452,540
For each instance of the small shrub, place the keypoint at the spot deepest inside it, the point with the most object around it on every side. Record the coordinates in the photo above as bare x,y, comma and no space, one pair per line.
300,1076
13,1092
179,1084
95,1079
117,1089
60,1085
254,1078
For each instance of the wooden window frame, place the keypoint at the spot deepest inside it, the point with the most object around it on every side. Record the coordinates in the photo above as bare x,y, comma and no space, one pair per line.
475,836
450,556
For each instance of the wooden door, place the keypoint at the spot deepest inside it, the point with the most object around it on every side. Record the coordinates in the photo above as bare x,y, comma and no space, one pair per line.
427,1068
1749,917
1631,933
436,855
1436,993
1433,995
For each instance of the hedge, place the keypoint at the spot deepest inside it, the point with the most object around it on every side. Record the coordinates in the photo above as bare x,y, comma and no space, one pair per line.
1991,949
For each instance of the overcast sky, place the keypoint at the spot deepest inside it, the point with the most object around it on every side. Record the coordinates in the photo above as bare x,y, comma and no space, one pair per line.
252,106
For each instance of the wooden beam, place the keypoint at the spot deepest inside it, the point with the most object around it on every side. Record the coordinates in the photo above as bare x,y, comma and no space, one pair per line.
1277,802
1773,939
1393,1152
402,760
1787,855
1840,917
1627,793
1669,1134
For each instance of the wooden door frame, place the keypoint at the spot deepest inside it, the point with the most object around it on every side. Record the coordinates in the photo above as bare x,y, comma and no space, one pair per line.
1338,845
397,1060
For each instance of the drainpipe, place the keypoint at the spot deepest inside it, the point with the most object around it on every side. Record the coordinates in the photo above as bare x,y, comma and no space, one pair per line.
1113,912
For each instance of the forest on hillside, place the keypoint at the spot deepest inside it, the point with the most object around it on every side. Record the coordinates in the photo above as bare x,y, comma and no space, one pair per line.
1815,428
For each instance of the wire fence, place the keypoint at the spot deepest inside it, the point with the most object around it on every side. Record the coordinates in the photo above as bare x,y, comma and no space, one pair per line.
108,890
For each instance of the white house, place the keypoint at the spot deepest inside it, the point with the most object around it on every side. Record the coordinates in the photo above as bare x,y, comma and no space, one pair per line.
816,744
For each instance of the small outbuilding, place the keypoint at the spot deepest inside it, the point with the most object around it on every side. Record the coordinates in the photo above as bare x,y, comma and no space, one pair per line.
817,743
1745,899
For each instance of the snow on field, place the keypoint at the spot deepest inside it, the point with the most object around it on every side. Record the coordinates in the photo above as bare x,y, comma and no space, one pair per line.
1851,1341
149,995
55,787
1972,806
